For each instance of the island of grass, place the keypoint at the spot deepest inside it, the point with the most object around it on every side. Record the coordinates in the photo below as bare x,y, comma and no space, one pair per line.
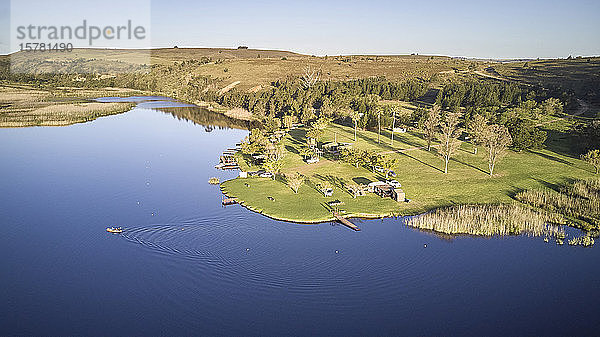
418,170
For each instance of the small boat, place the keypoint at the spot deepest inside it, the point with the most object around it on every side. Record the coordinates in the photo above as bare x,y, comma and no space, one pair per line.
114,230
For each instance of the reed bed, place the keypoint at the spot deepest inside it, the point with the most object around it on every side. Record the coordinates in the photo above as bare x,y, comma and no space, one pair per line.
61,114
584,240
487,220
581,202
588,189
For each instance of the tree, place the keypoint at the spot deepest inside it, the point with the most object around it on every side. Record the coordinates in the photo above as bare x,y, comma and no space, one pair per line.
525,135
274,151
288,121
295,181
552,106
310,77
378,125
431,124
592,157
476,129
448,138
256,142
355,116
314,133
352,156
318,127
393,125
388,163
496,140
272,166
374,159
307,152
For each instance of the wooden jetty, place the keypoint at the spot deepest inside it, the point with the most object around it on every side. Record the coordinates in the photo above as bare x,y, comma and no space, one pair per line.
228,201
345,222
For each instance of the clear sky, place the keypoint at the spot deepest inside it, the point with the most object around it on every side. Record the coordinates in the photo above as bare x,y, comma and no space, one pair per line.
490,29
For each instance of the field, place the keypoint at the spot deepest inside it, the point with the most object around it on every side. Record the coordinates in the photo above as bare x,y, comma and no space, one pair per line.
581,75
252,69
419,171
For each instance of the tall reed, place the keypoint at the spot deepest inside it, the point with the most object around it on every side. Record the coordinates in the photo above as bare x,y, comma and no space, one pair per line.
487,220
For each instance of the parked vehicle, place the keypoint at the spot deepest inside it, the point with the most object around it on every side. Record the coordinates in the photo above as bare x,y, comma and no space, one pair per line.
266,175
393,183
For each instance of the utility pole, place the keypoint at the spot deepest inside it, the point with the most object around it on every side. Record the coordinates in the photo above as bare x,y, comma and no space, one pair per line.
393,126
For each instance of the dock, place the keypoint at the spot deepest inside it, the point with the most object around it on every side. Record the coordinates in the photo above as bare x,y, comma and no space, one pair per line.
345,222
228,201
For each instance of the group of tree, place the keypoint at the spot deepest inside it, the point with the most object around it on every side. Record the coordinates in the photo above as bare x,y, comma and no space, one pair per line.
370,160
446,129
306,99
479,94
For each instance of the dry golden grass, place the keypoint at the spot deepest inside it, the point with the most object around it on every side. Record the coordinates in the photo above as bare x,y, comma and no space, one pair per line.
22,106
486,220
239,113
62,114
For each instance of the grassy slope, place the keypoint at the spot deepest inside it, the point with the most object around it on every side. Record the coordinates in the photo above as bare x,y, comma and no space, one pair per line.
419,171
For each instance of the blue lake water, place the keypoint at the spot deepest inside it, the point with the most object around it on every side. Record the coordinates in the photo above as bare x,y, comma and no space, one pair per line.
187,266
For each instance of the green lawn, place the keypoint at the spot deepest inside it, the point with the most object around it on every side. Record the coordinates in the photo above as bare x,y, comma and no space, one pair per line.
419,171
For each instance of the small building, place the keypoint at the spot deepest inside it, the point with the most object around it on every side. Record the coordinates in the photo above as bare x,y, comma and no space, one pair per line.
371,186
384,190
331,147
387,191
399,195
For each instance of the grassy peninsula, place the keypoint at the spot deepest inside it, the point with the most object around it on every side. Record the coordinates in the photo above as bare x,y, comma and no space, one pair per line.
418,170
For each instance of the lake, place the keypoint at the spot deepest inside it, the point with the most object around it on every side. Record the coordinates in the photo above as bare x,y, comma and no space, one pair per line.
185,265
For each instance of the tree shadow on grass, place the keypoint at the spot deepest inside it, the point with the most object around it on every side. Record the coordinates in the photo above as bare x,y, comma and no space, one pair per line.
298,135
551,157
420,161
547,184
291,149
470,165
561,142
337,182
361,180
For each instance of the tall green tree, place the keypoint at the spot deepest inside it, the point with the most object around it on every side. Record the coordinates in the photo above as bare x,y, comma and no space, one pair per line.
525,135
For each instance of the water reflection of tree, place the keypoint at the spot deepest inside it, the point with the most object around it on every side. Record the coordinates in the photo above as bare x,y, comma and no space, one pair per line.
210,120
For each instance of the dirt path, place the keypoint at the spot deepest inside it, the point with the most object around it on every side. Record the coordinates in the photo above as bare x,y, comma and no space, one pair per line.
481,73
229,87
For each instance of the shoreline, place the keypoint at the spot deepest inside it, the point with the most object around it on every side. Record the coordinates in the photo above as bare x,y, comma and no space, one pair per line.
363,216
